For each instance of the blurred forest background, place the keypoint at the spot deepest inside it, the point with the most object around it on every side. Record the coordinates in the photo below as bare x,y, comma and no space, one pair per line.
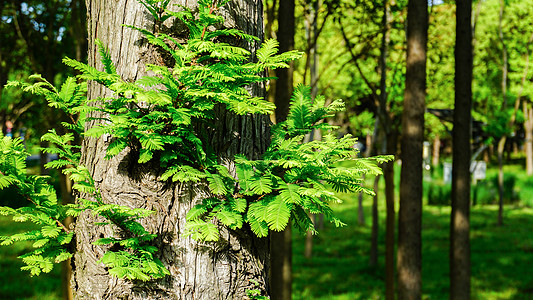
356,51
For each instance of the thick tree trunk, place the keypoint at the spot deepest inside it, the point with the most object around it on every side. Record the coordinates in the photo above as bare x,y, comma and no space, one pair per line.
410,215
462,131
222,270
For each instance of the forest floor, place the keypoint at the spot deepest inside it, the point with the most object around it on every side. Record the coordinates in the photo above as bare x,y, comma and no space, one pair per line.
338,269
502,257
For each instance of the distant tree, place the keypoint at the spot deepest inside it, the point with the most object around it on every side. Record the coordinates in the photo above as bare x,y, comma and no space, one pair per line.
281,242
410,214
378,46
462,131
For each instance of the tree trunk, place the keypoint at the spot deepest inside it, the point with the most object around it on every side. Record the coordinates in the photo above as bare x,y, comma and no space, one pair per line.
410,215
436,152
501,143
312,32
462,131
388,147
313,52
284,84
390,224
501,148
281,264
360,209
281,242
66,270
308,249
528,128
528,114
222,270
375,226
78,29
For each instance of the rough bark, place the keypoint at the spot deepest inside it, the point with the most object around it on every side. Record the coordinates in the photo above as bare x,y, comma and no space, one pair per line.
462,131
281,242
410,214
222,270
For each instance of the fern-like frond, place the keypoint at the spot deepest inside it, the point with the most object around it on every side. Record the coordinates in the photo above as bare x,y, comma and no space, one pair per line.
278,214
105,57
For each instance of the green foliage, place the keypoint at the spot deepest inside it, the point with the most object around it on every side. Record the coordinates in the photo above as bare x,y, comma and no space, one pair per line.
293,178
167,117
156,8
255,294
51,241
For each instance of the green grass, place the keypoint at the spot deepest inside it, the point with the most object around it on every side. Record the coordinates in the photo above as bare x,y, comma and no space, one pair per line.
17,284
502,257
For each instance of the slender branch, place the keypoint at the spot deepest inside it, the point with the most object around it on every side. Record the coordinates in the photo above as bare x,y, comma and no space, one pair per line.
212,9
355,58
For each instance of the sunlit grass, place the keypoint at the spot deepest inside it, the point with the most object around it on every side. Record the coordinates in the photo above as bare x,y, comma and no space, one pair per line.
17,284
501,256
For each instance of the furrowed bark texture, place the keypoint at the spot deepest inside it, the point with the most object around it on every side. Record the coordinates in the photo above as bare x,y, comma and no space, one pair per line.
410,214
221,270
462,120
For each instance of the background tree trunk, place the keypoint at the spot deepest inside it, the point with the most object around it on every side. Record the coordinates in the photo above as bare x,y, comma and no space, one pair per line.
360,209
462,131
436,152
390,223
281,242
410,215
312,33
528,128
503,139
375,226
284,84
222,270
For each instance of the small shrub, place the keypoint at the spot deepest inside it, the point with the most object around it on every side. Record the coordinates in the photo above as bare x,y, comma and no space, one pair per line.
525,192
510,194
439,194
